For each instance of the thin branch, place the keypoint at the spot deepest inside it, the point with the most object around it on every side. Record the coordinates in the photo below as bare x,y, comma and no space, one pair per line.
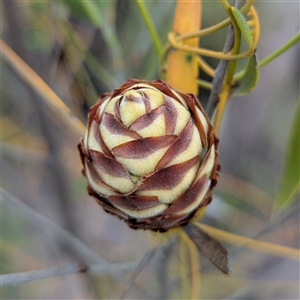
143,262
35,218
38,85
23,277
18,278
162,271
287,216
112,268
23,153
220,71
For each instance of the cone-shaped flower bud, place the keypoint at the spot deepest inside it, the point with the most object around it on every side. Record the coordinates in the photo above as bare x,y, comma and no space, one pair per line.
150,155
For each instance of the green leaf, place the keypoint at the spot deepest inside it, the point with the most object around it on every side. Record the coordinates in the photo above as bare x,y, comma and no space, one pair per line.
244,27
290,181
77,8
101,14
97,12
149,23
256,210
245,81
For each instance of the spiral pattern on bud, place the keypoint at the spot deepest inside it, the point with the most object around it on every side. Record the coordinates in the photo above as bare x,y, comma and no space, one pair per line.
150,155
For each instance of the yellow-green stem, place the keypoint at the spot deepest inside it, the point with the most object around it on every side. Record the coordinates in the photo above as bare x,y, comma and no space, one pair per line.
205,67
156,41
184,270
257,245
295,39
226,6
217,27
195,265
204,84
204,52
223,96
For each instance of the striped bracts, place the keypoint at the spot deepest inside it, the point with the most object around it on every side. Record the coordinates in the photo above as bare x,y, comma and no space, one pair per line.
150,155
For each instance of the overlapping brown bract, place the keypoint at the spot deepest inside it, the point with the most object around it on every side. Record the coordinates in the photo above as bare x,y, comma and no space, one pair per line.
150,155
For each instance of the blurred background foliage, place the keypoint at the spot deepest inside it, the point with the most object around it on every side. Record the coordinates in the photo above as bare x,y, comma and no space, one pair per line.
83,49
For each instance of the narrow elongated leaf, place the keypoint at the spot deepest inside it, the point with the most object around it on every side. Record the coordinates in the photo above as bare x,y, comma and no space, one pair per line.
290,182
76,8
244,27
97,12
245,196
86,9
210,247
247,81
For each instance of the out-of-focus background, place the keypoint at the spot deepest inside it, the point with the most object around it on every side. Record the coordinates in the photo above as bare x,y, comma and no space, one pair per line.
82,51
